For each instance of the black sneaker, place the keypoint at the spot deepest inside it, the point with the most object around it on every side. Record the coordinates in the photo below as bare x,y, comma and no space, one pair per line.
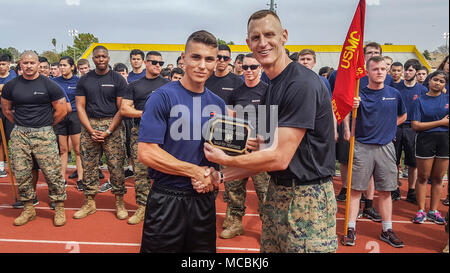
100,174
128,173
342,196
445,202
73,175
19,204
105,187
390,238
80,185
395,195
411,197
350,239
372,214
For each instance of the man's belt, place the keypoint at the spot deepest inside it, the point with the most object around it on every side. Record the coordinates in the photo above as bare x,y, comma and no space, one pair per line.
405,125
289,182
31,129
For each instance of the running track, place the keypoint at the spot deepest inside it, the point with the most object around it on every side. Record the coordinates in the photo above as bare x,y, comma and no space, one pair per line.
102,232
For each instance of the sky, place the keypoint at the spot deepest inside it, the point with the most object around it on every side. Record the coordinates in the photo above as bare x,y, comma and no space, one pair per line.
31,24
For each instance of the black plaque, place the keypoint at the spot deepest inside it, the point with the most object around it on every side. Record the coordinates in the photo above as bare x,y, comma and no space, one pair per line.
229,134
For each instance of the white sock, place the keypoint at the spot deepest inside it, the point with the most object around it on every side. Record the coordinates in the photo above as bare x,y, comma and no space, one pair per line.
351,225
386,225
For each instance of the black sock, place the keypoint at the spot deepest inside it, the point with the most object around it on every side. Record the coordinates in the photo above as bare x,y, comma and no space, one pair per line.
368,204
411,191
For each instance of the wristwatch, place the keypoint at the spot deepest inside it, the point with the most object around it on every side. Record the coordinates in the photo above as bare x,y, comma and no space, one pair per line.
220,177
108,132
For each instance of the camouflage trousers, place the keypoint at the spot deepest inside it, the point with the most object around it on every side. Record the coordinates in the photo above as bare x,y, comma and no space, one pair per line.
91,152
236,191
27,143
299,219
141,178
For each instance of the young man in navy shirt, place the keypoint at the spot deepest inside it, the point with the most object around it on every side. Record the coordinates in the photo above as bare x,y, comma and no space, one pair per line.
137,65
178,218
380,110
410,90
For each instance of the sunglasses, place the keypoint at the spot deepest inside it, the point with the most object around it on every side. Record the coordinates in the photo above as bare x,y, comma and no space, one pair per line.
252,67
161,63
225,58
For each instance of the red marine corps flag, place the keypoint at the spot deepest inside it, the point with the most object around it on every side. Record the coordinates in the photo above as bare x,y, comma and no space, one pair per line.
351,66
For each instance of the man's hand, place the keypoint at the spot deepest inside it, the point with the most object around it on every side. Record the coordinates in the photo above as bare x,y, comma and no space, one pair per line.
99,136
208,183
215,155
356,101
253,144
445,120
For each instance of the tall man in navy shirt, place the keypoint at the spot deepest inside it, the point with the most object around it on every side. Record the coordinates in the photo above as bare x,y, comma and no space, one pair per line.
405,139
380,111
177,218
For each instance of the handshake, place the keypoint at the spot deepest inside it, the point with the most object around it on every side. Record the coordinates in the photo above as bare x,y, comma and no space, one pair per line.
207,182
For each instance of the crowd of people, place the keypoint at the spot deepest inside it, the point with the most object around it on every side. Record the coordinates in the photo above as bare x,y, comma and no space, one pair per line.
128,116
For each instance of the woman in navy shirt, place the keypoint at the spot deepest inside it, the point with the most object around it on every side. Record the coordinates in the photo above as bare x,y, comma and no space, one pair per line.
430,120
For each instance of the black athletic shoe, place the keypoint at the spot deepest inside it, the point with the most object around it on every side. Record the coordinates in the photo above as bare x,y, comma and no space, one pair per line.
350,239
390,238
342,196
73,175
80,185
395,195
445,202
411,197
128,173
372,214
100,174
19,204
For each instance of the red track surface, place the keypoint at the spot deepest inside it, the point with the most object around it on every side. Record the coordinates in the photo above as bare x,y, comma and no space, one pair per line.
102,232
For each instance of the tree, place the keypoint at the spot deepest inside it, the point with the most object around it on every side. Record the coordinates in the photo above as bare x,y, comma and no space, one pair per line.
426,54
54,43
442,49
51,56
222,42
81,42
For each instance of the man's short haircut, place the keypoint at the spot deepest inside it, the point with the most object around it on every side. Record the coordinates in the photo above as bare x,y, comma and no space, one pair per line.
55,64
152,53
388,57
43,60
137,52
83,62
99,47
375,45
5,57
307,51
239,57
176,70
397,64
120,67
375,59
439,72
424,68
203,37
414,63
29,52
324,70
261,14
165,72
294,57
178,59
224,47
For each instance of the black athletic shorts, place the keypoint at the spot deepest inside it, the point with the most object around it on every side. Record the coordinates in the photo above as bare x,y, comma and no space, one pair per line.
405,140
179,221
70,125
432,144
342,146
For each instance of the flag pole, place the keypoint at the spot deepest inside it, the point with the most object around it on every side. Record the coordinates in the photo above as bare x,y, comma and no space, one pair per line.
350,160
5,148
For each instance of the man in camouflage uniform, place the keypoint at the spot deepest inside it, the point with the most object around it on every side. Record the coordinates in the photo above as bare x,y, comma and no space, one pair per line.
245,100
299,213
38,104
98,98
132,106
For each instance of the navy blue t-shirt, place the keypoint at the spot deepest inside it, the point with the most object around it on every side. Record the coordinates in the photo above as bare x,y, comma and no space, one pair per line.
327,84
173,117
6,79
70,87
409,95
134,77
378,110
363,82
429,108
